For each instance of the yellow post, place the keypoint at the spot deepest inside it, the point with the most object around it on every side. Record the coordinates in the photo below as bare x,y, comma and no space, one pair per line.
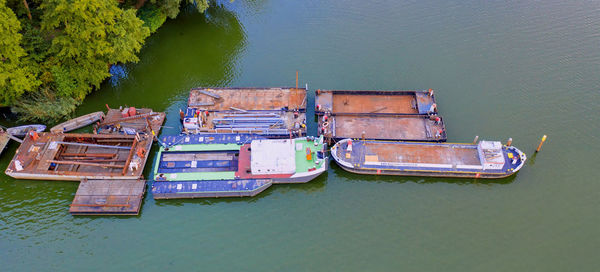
541,143
296,79
476,138
509,142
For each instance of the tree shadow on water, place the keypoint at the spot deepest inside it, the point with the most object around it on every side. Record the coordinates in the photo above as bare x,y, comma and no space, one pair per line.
192,50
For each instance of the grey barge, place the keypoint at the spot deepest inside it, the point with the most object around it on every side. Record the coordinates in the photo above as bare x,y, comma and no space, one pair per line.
486,159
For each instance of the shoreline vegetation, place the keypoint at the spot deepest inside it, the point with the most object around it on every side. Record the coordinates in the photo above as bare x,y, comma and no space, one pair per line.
53,53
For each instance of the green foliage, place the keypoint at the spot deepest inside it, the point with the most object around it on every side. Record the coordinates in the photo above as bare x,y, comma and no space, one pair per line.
152,16
171,7
44,106
16,76
90,35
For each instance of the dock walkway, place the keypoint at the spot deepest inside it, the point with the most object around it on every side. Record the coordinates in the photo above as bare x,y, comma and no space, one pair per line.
108,197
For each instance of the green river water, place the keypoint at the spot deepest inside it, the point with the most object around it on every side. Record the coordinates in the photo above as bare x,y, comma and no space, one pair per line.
501,69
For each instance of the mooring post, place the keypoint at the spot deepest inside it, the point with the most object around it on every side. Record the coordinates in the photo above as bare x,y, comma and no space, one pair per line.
296,79
476,139
541,143
509,142
363,135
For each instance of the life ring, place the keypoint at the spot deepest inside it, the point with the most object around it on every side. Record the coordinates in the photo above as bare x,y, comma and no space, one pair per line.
325,124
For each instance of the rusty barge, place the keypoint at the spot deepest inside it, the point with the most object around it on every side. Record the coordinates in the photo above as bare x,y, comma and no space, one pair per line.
485,159
379,115
270,112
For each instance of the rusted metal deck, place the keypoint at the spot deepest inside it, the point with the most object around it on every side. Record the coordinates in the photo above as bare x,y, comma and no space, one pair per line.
75,156
272,112
108,197
485,159
379,115
224,99
143,121
408,128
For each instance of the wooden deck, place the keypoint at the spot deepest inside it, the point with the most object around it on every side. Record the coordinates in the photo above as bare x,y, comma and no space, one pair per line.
108,197
221,99
75,156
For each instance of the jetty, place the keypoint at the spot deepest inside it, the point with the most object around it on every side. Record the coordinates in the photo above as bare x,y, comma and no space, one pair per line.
108,197
272,112
379,115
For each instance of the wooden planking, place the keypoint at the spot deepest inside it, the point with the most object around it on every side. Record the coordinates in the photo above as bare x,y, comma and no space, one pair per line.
3,140
108,197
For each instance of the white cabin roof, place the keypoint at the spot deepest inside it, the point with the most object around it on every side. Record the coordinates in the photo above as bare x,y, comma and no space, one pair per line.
272,157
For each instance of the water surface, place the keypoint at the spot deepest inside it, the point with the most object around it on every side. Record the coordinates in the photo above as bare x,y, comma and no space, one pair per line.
501,69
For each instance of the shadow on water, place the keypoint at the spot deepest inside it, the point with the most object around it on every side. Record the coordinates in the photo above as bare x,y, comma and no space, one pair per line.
352,177
192,50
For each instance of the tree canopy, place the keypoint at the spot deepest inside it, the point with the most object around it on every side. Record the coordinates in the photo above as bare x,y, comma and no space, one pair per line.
55,52
16,77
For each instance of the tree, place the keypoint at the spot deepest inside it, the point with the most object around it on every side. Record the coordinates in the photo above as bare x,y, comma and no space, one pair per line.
171,7
89,35
16,77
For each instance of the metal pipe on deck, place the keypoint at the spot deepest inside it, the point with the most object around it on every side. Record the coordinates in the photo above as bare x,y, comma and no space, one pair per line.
94,145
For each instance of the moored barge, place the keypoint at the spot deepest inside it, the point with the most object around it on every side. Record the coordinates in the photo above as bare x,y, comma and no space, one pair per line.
379,115
485,159
77,156
227,165
272,112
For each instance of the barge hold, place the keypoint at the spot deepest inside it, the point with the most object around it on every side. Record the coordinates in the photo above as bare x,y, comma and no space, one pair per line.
486,159
75,156
272,112
228,165
108,197
379,115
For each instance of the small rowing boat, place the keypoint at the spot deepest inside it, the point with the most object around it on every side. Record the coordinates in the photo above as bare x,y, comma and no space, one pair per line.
78,122
485,159
21,131
3,139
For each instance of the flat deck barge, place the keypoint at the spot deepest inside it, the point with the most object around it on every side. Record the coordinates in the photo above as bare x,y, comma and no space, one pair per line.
272,112
77,156
379,115
228,165
486,159
108,197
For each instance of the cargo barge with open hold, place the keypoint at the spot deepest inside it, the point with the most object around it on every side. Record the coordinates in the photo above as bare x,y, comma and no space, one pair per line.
271,112
485,159
228,165
379,115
